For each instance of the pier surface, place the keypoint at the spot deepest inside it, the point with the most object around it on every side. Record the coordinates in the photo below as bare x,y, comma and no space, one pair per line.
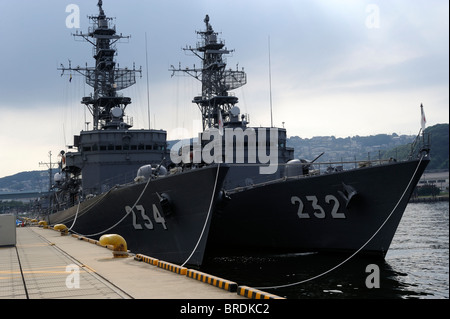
46,265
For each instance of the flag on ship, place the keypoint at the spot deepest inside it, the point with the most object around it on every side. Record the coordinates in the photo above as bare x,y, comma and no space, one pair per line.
423,120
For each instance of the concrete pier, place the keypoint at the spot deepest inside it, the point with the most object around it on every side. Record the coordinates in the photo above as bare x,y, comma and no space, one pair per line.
46,265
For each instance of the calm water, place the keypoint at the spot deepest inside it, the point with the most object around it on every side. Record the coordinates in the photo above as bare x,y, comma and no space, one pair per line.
416,265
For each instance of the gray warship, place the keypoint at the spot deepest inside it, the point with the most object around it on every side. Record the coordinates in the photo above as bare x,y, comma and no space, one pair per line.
118,180
235,190
275,204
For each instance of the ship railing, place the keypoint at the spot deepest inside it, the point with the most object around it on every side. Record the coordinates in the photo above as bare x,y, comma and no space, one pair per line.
313,169
128,120
210,40
422,143
339,165
108,184
95,26
325,166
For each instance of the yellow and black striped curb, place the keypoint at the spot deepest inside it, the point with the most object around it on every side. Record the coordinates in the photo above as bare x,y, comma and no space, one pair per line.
92,241
172,267
253,293
212,280
218,282
147,259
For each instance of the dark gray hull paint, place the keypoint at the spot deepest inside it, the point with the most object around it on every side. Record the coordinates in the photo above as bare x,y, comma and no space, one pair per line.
286,217
190,196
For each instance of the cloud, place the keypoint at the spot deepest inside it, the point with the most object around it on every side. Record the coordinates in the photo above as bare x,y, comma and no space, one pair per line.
331,74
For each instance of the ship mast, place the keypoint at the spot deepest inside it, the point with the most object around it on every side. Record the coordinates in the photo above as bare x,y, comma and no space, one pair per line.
215,78
106,78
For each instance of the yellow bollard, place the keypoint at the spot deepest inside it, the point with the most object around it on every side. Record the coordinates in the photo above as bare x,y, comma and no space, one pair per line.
118,243
62,228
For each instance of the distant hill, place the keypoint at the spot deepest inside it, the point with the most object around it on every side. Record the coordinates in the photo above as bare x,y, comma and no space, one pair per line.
373,147
439,150
348,148
335,150
439,146
25,182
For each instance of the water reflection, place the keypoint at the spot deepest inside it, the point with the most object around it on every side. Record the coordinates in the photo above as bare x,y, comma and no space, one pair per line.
416,266
294,272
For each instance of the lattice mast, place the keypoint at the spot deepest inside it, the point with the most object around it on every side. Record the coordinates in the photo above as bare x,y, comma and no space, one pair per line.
106,78
215,78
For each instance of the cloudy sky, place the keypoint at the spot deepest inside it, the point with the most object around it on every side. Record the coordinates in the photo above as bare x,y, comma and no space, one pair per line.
339,67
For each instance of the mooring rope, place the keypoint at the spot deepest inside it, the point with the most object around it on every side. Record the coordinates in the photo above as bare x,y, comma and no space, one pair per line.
356,252
207,216
76,215
127,213
97,200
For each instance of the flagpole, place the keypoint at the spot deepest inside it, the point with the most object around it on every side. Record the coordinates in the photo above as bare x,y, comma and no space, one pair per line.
148,94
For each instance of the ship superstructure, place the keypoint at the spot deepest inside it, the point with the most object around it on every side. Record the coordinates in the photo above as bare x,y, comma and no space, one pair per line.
106,105
241,146
111,152
216,101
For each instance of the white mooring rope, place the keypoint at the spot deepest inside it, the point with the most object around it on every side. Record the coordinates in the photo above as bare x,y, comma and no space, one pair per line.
365,244
207,216
142,193
128,212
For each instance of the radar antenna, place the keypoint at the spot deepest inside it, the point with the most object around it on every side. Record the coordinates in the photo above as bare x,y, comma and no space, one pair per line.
106,78
215,78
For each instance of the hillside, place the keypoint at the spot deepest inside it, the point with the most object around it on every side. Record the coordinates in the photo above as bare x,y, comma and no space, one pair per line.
25,182
439,146
439,153
335,150
346,149
373,147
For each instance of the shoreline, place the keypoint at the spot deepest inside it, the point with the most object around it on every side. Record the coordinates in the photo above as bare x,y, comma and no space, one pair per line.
428,199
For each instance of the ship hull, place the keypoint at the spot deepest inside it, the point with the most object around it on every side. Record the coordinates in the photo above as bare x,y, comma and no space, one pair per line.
167,230
317,213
